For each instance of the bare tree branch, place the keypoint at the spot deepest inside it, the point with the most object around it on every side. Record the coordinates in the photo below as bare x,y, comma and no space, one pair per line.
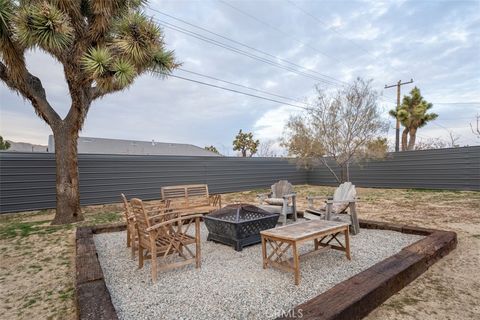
340,125
32,90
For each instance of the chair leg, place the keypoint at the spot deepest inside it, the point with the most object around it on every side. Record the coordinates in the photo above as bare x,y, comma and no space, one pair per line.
133,244
140,256
128,237
153,251
198,258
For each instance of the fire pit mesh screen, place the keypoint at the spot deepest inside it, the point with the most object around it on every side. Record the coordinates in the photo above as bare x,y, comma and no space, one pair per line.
239,213
239,224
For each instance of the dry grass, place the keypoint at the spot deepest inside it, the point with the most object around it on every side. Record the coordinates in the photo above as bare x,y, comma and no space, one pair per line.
37,271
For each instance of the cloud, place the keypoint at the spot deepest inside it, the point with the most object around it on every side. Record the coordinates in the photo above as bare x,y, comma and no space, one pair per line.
435,43
270,125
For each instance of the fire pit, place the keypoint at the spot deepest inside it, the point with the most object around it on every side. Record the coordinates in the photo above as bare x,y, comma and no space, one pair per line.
239,225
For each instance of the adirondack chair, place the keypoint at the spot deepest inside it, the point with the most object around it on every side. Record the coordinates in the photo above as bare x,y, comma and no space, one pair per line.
335,208
281,199
166,237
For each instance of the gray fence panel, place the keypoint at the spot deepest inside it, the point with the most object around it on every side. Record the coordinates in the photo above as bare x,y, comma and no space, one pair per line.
27,180
455,169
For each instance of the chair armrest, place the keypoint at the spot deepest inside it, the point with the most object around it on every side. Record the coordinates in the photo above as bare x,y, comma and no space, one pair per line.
319,197
262,196
290,195
153,215
266,194
166,223
341,201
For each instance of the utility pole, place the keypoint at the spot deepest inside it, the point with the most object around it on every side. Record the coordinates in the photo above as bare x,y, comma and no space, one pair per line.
397,127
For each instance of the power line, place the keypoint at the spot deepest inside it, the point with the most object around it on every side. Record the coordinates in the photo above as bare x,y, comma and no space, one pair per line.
240,85
334,30
277,29
242,52
232,90
472,103
239,51
245,45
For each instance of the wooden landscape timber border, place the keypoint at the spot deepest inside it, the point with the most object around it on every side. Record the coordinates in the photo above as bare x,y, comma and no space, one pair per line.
353,298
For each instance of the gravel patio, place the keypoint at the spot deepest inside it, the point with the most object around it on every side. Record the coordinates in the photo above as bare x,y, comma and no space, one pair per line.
230,284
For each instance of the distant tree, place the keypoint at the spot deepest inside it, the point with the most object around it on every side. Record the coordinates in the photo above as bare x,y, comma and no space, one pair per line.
453,139
266,149
413,114
339,126
4,145
429,144
476,129
245,143
212,149
102,45
375,149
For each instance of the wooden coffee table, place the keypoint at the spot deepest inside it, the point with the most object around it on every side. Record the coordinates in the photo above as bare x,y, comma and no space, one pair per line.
280,239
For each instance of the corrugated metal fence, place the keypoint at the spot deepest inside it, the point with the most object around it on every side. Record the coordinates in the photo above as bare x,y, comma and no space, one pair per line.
27,180
455,169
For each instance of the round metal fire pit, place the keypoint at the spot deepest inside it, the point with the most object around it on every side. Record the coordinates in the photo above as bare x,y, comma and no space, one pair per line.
239,225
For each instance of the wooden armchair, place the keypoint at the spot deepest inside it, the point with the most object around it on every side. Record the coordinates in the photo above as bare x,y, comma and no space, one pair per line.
132,239
335,208
167,236
281,198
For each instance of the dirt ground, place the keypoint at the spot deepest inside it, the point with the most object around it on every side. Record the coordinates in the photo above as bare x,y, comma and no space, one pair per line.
37,262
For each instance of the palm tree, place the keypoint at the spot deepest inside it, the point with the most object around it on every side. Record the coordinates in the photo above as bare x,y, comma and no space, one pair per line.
103,46
413,114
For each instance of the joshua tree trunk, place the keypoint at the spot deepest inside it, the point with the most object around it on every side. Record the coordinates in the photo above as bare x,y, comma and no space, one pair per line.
68,196
413,136
404,139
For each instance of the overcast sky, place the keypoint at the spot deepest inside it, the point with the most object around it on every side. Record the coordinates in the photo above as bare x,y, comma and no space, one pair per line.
437,43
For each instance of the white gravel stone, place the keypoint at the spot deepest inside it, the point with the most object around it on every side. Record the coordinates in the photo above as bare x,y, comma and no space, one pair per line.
230,284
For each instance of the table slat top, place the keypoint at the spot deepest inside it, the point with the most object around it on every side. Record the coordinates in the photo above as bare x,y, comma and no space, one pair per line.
301,230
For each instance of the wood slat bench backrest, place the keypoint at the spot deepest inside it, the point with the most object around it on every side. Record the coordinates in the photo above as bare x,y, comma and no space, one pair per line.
188,196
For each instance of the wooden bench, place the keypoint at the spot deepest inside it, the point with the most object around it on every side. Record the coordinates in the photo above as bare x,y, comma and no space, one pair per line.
192,198
281,239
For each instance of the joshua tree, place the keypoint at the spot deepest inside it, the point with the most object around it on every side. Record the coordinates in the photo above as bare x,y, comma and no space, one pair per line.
103,45
4,145
212,149
413,115
245,144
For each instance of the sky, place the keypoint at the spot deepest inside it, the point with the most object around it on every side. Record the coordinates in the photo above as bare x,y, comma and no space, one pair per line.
329,43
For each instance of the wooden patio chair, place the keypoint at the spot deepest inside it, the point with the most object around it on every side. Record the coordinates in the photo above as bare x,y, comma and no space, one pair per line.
335,208
132,239
167,236
281,199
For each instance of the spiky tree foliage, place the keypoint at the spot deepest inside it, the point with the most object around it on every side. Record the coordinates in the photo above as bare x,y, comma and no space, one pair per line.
4,145
245,143
212,149
103,46
413,114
